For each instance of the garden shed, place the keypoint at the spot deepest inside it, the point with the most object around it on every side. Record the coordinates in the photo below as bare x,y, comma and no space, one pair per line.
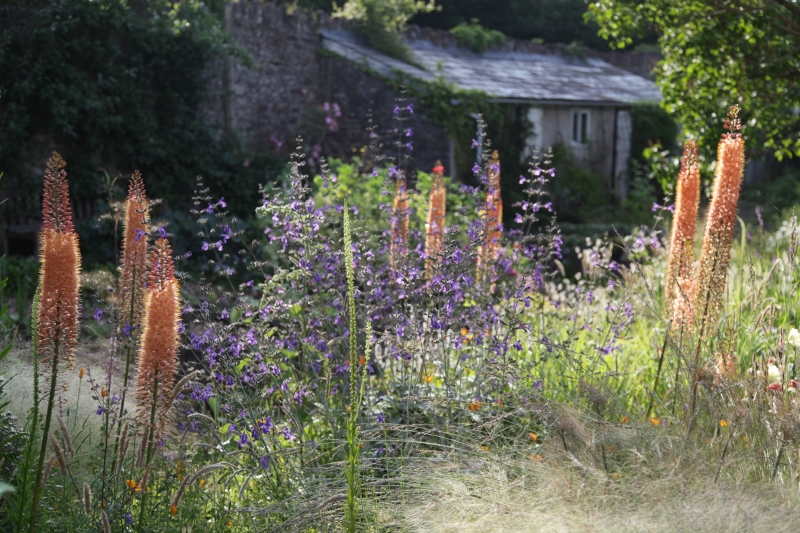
580,102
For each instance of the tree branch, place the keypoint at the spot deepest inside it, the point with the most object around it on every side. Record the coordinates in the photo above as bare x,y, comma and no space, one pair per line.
788,5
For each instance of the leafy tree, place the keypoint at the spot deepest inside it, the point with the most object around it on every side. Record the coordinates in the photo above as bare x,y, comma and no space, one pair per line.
718,53
476,36
118,85
383,21
553,21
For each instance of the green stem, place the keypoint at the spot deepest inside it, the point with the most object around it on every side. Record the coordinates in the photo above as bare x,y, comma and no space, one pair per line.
149,453
121,408
37,487
125,378
658,375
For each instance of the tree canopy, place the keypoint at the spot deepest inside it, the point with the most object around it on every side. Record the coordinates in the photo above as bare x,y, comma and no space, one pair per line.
718,53
553,21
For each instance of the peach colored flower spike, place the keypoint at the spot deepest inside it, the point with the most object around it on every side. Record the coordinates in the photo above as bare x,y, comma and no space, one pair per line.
134,253
721,222
60,269
494,218
677,289
434,241
397,250
159,344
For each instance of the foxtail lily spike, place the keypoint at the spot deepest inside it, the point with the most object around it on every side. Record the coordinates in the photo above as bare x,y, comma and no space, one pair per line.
435,228
677,289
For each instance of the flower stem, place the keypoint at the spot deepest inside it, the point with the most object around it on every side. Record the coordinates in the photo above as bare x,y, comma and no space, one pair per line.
37,487
149,454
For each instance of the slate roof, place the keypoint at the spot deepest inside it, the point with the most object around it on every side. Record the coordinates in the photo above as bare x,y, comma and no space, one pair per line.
509,77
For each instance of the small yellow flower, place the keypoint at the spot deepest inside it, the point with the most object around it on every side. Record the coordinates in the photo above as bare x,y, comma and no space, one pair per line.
655,421
80,374
534,436
131,484
230,524
723,423
428,379
485,448
202,482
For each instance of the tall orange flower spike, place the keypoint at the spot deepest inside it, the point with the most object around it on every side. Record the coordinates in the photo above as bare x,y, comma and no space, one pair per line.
720,224
677,290
434,240
399,243
134,253
60,270
159,343
494,217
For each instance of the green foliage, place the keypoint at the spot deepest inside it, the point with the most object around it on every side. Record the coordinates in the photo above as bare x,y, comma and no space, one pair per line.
10,435
22,274
369,191
477,37
637,205
578,194
383,21
716,54
119,87
652,125
776,196
552,21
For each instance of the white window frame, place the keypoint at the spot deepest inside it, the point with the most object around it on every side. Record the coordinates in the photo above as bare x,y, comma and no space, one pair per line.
580,136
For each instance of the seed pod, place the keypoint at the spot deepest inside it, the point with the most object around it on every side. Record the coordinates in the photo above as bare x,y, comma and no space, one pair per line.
65,436
62,461
87,498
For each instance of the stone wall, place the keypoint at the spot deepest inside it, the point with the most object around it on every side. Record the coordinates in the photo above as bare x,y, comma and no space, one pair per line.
282,94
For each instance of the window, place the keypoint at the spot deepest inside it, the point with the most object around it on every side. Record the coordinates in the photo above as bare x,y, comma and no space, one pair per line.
580,126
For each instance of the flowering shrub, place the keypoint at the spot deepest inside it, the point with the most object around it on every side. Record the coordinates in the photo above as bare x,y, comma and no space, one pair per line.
346,340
